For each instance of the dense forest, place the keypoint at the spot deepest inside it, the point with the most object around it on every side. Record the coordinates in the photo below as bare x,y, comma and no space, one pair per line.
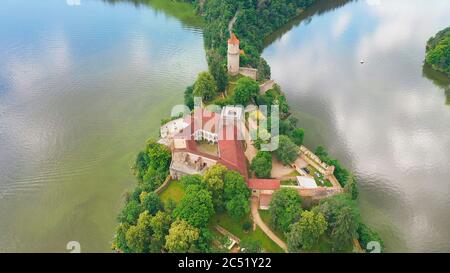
438,51
253,20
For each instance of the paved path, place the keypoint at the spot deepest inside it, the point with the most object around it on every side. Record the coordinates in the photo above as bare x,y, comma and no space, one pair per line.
257,219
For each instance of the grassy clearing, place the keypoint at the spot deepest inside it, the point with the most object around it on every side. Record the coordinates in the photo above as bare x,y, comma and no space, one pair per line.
235,227
230,89
174,191
289,182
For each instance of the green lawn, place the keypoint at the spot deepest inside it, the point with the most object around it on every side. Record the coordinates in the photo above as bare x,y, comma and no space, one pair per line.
235,227
174,191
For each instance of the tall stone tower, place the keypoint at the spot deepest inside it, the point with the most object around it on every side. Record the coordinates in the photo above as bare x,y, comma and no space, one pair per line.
233,55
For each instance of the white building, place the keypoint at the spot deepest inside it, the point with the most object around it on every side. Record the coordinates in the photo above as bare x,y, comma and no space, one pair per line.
173,127
306,182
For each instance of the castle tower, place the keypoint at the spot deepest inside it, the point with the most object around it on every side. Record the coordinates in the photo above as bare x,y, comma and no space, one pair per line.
233,55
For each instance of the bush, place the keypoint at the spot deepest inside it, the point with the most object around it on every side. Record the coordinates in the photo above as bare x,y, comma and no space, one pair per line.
367,235
287,151
262,164
247,225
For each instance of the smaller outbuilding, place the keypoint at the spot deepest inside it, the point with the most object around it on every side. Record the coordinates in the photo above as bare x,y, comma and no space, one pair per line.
306,182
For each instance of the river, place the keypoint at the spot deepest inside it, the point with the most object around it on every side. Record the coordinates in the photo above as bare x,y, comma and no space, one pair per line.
387,119
81,89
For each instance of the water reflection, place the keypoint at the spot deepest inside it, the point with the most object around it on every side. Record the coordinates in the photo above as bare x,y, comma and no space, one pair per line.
319,8
439,79
382,118
179,10
80,92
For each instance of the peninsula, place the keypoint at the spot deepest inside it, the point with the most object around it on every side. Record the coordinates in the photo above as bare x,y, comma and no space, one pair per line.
216,182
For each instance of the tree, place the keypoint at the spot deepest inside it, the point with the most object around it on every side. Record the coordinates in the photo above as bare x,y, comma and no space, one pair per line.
234,184
218,70
216,171
236,195
159,155
246,89
367,235
189,97
130,212
285,208
181,237
351,187
438,51
321,152
297,136
120,242
152,179
188,180
342,215
160,225
152,165
306,232
287,151
333,206
141,165
263,70
283,106
249,245
138,237
203,244
262,164
344,229
213,179
151,202
205,86
238,207
196,207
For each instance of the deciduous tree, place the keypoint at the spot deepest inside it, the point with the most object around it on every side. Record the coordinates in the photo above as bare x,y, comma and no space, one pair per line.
205,86
182,237
287,151
196,207
306,232
138,237
246,89
262,164
285,208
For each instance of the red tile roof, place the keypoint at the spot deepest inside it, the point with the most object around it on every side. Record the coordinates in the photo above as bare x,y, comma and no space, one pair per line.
233,40
200,119
263,184
231,151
